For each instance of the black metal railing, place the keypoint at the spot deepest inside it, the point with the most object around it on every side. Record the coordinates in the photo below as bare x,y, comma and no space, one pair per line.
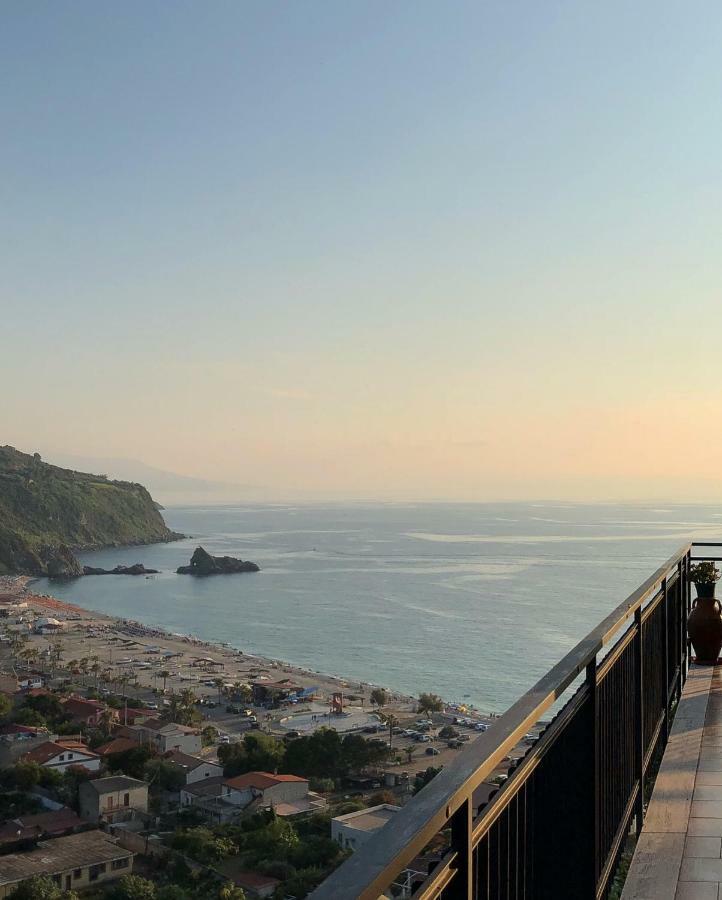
557,827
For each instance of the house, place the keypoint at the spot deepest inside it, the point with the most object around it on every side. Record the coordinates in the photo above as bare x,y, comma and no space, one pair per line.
39,825
15,740
354,829
13,732
88,712
46,625
166,736
113,799
116,745
74,862
193,767
256,885
224,798
30,681
62,754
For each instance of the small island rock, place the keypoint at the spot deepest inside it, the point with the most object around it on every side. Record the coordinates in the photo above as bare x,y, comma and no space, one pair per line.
136,569
202,563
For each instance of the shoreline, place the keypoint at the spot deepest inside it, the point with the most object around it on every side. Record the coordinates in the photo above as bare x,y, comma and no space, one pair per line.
21,587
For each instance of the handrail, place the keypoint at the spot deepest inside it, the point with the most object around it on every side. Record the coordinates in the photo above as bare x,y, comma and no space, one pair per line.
374,866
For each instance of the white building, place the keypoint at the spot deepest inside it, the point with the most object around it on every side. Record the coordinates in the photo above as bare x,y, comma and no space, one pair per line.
166,736
61,755
194,768
354,829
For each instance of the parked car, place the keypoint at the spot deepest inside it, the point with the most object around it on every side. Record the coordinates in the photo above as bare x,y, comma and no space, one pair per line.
432,751
423,738
481,726
454,743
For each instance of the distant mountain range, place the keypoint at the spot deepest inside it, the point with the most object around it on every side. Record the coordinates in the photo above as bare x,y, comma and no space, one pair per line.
166,487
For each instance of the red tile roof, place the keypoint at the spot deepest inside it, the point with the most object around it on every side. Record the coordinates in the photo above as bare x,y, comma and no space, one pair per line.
254,880
260,780
50,749
117,745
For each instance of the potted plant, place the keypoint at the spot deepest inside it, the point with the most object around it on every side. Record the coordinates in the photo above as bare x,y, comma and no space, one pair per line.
704,624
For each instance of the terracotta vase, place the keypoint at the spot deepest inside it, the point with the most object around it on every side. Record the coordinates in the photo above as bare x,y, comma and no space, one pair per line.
704,627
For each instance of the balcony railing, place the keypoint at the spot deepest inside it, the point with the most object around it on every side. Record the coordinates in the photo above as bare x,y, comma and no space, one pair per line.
557,827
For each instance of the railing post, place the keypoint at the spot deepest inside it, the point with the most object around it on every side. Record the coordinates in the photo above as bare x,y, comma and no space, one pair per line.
639,719
678,625
594,759
665,626
461,888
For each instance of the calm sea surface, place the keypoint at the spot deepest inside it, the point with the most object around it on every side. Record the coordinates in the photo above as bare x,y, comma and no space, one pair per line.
472,601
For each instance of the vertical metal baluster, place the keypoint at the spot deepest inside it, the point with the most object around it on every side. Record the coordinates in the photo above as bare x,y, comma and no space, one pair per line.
665,626
639,719
462,886
594,759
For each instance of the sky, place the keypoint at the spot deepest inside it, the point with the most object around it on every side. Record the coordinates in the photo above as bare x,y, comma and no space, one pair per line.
409,250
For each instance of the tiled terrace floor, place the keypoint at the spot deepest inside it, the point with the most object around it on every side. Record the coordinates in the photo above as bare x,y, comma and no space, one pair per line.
679,854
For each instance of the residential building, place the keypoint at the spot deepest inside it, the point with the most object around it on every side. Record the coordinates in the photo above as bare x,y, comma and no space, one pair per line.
74,862
193,767
224,798
39,825
116,745
88,712
15,740
47,625
62,754
256,885
166,736
113,799
355,828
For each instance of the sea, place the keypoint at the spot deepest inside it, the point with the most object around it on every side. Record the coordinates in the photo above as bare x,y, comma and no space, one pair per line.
470,601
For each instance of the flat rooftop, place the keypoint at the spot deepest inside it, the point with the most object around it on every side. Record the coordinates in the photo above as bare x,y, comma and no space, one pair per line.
369,819
75,851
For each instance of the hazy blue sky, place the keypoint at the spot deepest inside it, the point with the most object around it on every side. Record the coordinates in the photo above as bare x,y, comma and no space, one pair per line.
367,249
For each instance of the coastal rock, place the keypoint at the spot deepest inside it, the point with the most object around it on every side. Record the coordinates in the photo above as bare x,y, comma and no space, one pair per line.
136,569
202,563
62,563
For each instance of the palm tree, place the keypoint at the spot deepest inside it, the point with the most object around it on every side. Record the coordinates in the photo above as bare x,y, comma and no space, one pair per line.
390,720
219,685
83,666
95,669
165,675
409,751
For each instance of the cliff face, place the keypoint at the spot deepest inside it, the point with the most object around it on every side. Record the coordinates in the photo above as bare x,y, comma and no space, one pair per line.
47,512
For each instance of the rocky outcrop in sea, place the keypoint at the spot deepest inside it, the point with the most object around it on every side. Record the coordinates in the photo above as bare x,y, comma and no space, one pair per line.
202,563
136,569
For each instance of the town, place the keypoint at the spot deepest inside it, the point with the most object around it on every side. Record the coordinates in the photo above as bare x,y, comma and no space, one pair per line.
138,764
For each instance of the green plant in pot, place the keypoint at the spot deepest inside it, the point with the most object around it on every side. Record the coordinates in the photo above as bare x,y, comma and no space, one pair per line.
704,624
705,576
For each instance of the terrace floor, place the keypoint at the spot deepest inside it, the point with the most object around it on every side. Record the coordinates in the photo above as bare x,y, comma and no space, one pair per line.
679,853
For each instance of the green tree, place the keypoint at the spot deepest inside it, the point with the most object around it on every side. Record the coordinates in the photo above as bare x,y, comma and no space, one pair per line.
379,696
27,716
47,705
256,752
448,732
5,705
165,675
41,887
219,687
429,703
202,845
172,892
131,762
423,778
133,887
231,892
209,735
162,774
26,775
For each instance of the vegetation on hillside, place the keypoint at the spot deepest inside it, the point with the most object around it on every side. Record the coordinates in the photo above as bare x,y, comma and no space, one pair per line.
46,512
